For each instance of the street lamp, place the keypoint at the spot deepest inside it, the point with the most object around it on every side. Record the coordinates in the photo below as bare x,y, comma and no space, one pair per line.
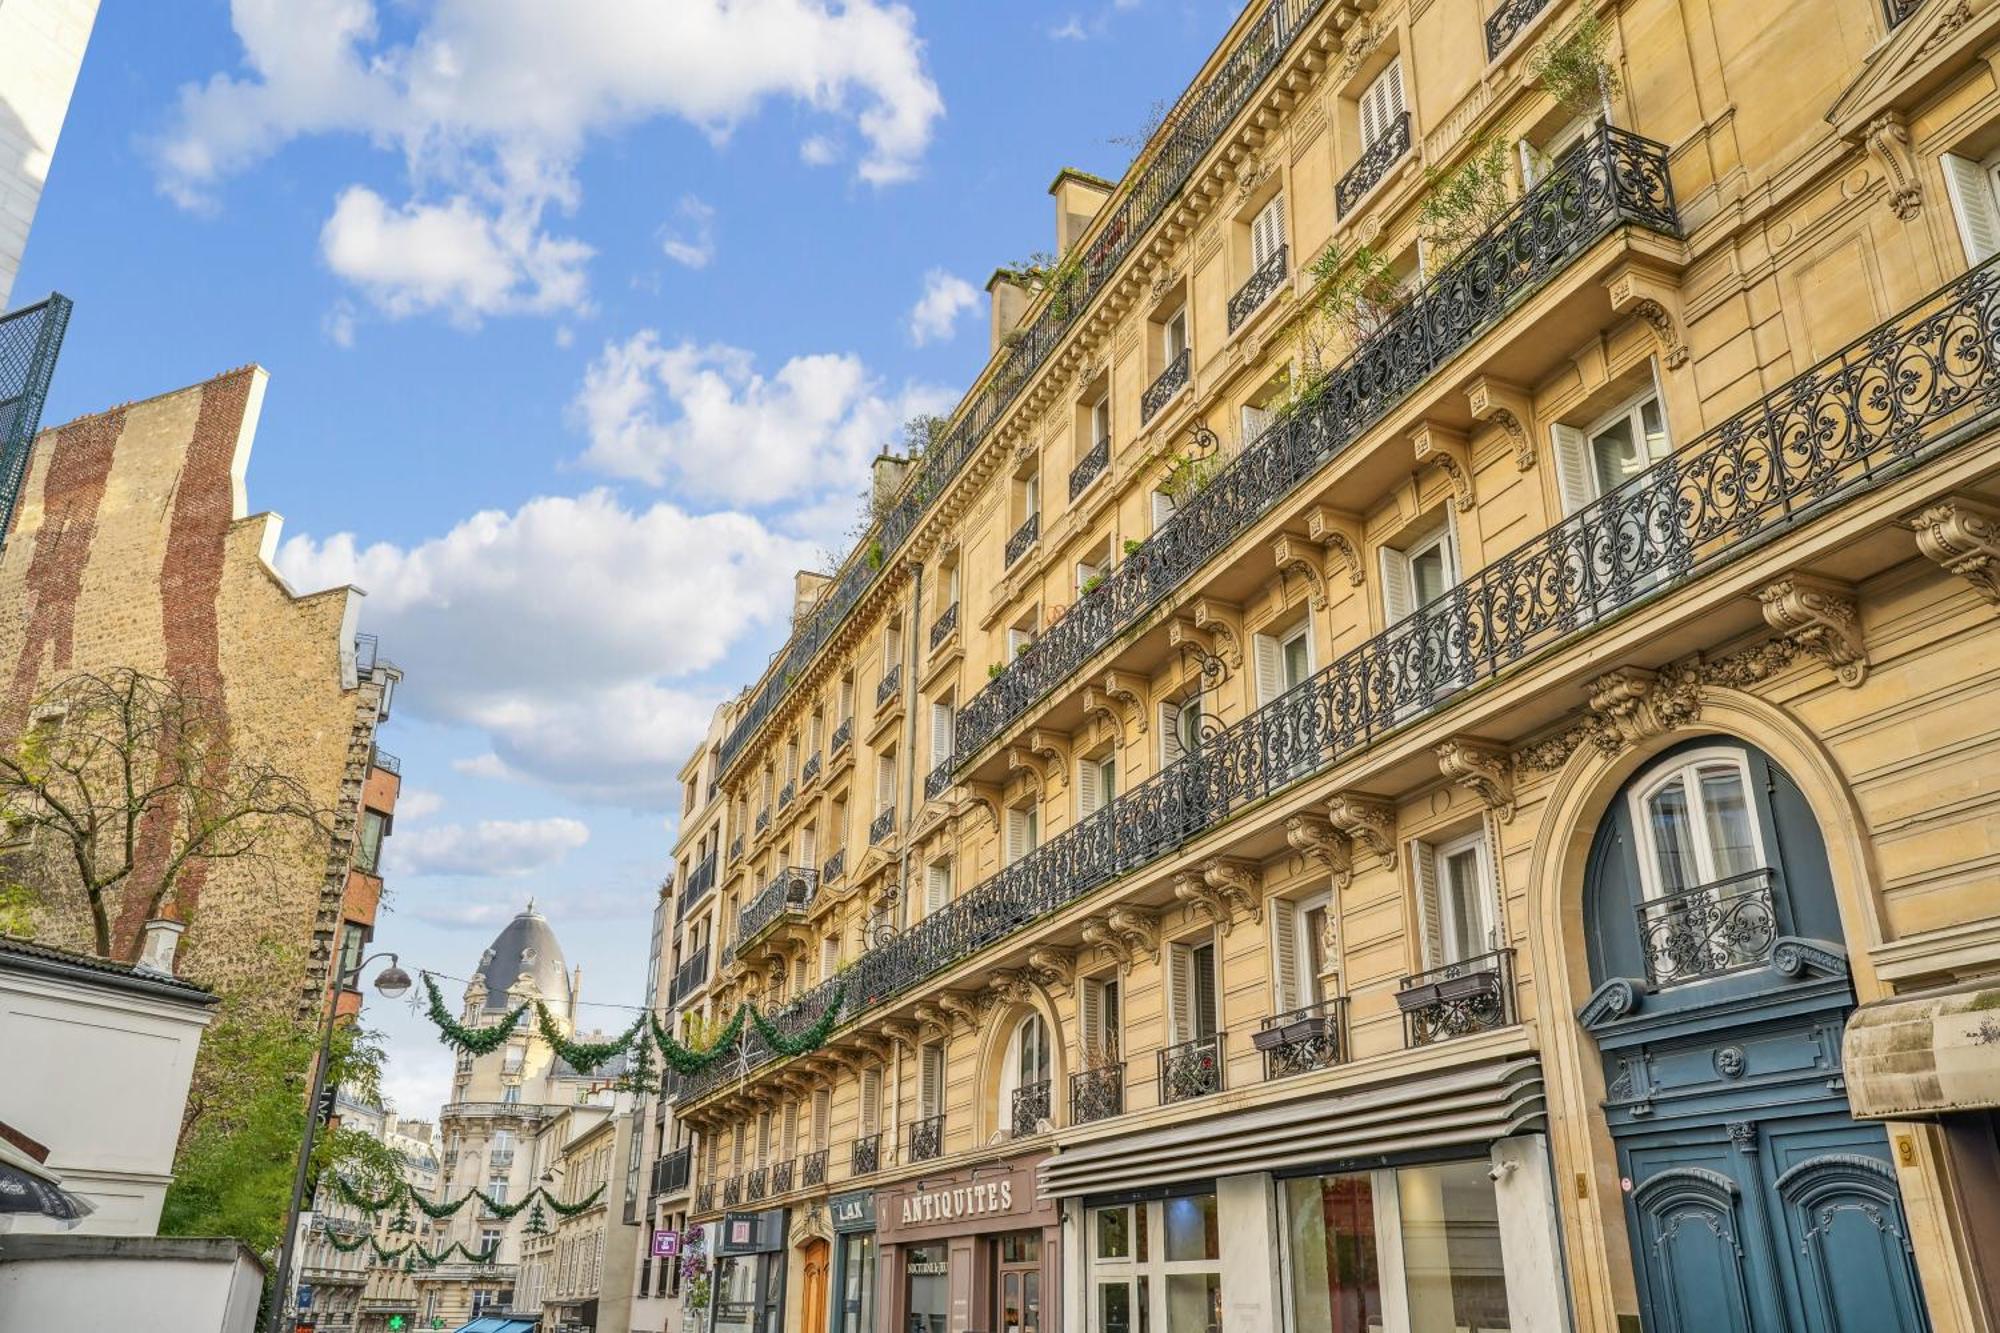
392,981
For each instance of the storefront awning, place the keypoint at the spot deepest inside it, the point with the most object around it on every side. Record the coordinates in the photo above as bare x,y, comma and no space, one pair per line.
1924,1055
1473,1105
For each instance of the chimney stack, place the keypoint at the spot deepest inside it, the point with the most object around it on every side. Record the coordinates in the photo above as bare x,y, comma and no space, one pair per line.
159,941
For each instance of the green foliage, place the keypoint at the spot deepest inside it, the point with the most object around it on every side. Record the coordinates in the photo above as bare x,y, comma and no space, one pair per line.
1188,474
1574,68
875,554
472,1041
1062,278
1463,202
809,1040
572,1209
704,1048
583,1056
994,670
1133,546
1090,584
17,909
922,431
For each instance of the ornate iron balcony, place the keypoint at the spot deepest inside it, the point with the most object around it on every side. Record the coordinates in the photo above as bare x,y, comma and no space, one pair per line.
1302,1040
736,848
927,1139
763,821
1504,24
1269,276
1458,999
1090,467
1615,179
790,891
1709,931
1024,536
1372,165
382,759
865,1158
938,781
757,1186
835,867
732,1191
1192,1069
786,793
670,1173
812,1169
944,626
781,1177
1096,1094
885,689
1201,118
1170,382
810,773
690,976
1031,1108
842,734
704,1198
884,824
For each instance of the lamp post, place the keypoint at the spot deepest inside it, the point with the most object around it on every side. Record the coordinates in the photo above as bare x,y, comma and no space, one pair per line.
391,982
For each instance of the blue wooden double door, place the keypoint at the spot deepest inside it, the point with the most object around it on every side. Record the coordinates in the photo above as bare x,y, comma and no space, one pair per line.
1786,1225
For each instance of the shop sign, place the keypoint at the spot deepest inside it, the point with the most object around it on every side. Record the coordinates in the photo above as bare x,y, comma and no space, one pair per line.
666,1243
1000,1197
929,1268
853,1212
739,1233
957,1202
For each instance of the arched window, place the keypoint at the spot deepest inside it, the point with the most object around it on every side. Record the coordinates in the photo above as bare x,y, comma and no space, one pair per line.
1696,822
1025,1072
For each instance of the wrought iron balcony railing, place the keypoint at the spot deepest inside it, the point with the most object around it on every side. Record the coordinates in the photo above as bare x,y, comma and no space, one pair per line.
1250,297
809,772
757,1185
1458,999
790,892
1024,536
670,1173
763,821
1615,179
1192,1069
944,626
1168,383
1090,467
1096,1094
781,1176
842,735
786,794
1709,931
1302,1040
1504,24
885,689
835,867
812,1169
382,759
1389,148
927,1138
1031,1109
1197,122
704,1198
1922,383
700,880
883,825
938,781
688,978
736,848
865,1158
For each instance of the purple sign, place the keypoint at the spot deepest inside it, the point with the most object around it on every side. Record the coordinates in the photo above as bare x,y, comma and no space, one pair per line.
666,1244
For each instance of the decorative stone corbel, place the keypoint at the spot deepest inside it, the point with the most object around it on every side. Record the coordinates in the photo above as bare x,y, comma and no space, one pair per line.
1010,986
1022,763
1183,633
1128,693
1318,840
1512,409
1139,928
1192,889
1820,616
1800,958
1637,293
1239,881
1446,449
960,1007
1223,623
1962,534
1098,933
1887,138
1632,704
1484,768
1339,534
879,1048
1613,1000
1052,747
932,1021
1296,555
1053,967
1368,820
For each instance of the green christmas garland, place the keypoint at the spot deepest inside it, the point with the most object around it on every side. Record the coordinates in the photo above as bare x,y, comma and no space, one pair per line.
347,1247
437,1212
583,1056
503,1211
687,1060
810,1040
356,1199
473,1041
572,1209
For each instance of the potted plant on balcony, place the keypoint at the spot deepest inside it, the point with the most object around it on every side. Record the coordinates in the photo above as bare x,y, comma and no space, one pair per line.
1460,204
1574,68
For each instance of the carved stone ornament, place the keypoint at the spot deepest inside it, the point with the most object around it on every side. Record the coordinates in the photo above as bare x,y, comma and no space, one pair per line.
1616,998
1948,24
1053,967
1238,881
1636,293
1225,624
1126,691
1633,704
1294,555
1164,283
1128,934
1820,616
1190,888
1799,958
1510,407
1484,768
1740,670
960,1006
1446,450
1887,138
1361,39
1368,820
1339,534
1317,840
1251,172
1962,534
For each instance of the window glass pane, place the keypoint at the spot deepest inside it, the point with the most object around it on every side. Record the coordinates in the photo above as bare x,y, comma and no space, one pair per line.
1191,1233
1295,661
1427,574
1465,910
1114,1233
1673,843
1615,455
1194,1303
1114,1307
1205,1023
1654,422
1313,926
1451,1247
1336,1277
1730,834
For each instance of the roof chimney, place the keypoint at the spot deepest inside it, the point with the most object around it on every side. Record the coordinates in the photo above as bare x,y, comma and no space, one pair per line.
1079,197
1011,298
158,942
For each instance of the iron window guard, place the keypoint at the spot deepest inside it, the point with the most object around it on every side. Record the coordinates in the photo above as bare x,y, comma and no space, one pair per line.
1097,1094
1030,1108
1090,467
1024,537
1257,289
1303,1039
1193,1069
1389,148
927,1138
1458,999
1169,382
865,1157
1710,930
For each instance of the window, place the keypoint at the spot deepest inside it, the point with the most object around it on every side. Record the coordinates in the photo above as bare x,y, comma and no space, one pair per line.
885,781
1100,422
1267,232
1418,574
1024,830
1284,660
368,847
1381,104
1191,991
1299,958
943,723
353,939
1611,450
1173,336
829,957
869,1115
1696,824
1163,509
937,886
1180,728
1539,163
763,1138
1974,188
1156,1265
1026,1065
1021,633
1456,899
788,1138
822,1118
1096,782
1098,1021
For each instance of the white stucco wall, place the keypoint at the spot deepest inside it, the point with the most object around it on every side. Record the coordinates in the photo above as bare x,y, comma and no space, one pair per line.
41,50
119,1282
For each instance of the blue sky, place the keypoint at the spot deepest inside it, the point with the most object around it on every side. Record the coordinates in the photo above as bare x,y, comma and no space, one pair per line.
582,321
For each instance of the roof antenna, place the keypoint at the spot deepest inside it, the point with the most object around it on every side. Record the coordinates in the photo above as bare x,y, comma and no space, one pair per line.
531,905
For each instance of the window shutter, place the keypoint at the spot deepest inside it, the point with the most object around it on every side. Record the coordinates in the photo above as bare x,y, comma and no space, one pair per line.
1170,732
799,975
1267,232
1256,420
1180,994
763,1138
788,1143
1017,834
871,1101
1163,509
1285,956
1207,1012
1090,1018
822,1120
1972,199
1089,795
940,733
1573,479
937,888
1398,597
1424,858
930,1089
1270,675
829,957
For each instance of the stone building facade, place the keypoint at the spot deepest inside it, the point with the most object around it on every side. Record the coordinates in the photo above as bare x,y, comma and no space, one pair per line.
578,1274
1386,809
41,51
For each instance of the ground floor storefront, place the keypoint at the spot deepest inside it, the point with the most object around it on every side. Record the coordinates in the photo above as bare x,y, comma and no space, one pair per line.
750,1271
978,1248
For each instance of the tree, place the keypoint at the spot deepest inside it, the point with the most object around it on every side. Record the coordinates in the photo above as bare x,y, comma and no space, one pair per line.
124,785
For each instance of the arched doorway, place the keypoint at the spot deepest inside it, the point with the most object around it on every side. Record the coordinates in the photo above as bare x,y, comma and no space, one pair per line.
1753,1200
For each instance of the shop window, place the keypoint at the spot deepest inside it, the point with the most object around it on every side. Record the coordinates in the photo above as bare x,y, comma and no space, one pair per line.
1096,781
1299,961
1974,187
1597,458
1284,660
1155,1265
1696,824
1456,899
1418,572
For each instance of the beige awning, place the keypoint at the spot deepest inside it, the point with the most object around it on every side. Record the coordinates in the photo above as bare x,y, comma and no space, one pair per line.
1472,1105
1924,1055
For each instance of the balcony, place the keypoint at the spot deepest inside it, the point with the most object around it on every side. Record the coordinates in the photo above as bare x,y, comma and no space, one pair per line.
789,894
927,1139
1509,17
781,1176
938,781
812,1169
704,1198
865,1158
787,793
699,882
1192,1069
835,868
809,774
1202,117
1458,999
1615,179
1030,1109
944,627
842,736
1250,297
1097,1094
736,848
1302,1040
670,1173
501,1158
757,1185
1709,931
891,682
1896,397
763,824
1170,382
689,977
1024,537
732,1192
882,826
1373,164
1091,466
382,759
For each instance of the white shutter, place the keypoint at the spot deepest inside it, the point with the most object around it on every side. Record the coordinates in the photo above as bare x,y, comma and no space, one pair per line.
871,1101
1399,599
1256,420
1090,1017
1017,834
1270,671
1267,232
1170,732
763,1138
1423,857
930,1088
1285,956
1381,104
1163,509
1180,993
1573,478
788,1143
829,957
1972,199
940,732
1089,792
822,1121
937,887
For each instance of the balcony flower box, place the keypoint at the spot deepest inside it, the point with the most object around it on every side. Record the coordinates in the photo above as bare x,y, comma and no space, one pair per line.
1307,1027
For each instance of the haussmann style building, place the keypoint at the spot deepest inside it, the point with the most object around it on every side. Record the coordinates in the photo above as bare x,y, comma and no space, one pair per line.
1446,787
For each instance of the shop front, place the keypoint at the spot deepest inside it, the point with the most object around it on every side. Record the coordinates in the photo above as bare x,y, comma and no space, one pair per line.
853,1264
1422,1204
974,1249
749,1285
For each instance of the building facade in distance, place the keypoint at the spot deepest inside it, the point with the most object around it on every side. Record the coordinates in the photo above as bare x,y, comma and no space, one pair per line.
1371,794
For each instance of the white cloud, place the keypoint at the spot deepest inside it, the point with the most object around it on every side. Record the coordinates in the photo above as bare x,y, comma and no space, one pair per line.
703,417
695,245
415,803
1071,30
819,151
338,323
935,315
490,847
